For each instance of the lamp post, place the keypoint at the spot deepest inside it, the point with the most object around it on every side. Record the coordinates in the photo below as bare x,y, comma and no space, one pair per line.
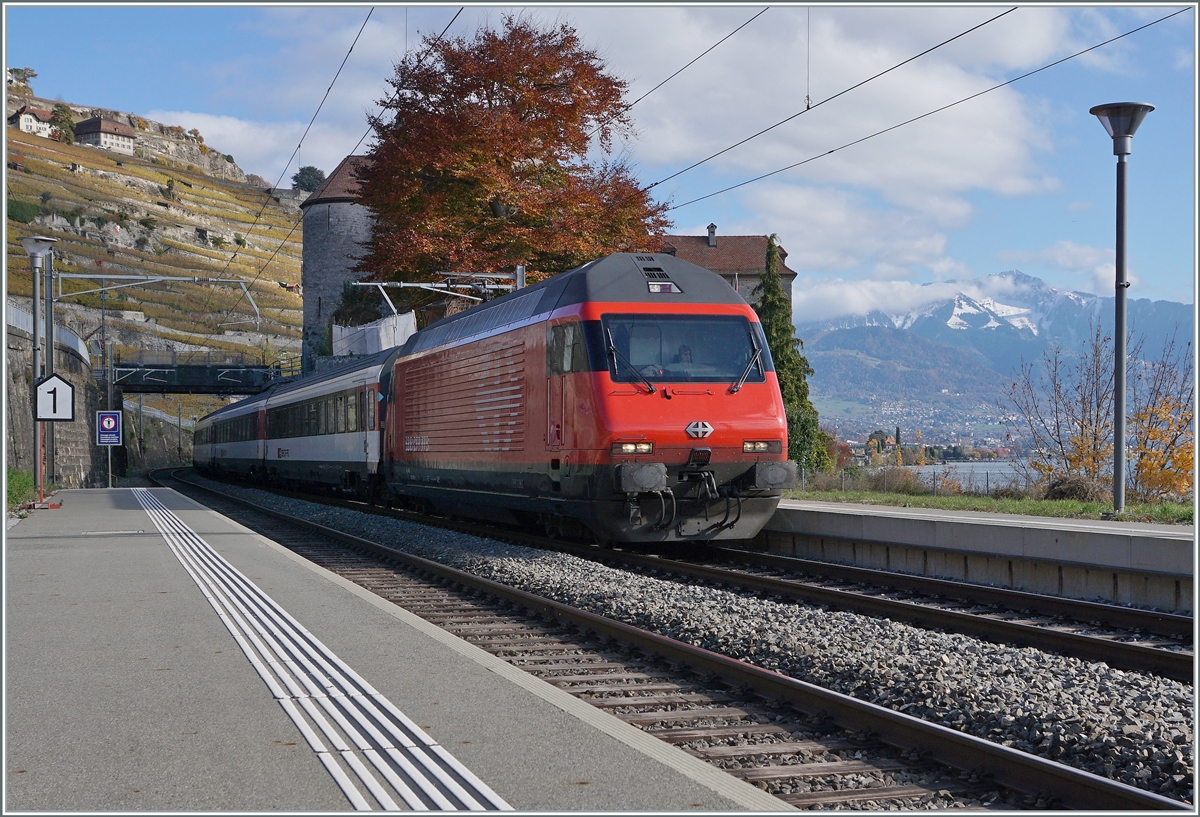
49,428
37,247
1121,120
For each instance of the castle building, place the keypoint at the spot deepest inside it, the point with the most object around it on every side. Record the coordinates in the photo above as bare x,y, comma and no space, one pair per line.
336,231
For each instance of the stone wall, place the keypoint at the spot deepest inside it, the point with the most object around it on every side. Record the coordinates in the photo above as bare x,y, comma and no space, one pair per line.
78,461
335,234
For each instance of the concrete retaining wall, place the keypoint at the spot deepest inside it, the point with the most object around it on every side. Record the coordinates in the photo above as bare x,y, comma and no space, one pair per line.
1129,563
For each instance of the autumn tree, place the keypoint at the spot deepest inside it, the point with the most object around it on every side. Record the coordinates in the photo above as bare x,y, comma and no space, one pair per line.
1062,410
808,445
1160,423
484,159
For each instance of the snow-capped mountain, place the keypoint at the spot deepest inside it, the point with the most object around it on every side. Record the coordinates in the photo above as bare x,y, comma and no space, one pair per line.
1011,315
936,364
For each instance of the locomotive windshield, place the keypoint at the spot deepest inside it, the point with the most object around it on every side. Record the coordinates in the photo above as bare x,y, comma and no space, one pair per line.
684,348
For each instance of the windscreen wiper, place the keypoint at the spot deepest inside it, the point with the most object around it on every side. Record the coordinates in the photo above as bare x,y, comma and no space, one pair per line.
620,358
737,385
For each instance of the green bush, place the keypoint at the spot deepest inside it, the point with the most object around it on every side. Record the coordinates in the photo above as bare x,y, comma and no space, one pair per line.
21,211
20,487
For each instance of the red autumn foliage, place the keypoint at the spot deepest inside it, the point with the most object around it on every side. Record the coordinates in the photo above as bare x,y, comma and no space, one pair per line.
481,160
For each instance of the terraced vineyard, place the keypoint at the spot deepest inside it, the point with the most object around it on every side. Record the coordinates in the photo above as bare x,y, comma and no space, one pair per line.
128,215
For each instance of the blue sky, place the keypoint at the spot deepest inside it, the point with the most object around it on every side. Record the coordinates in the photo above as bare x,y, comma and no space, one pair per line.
1020,178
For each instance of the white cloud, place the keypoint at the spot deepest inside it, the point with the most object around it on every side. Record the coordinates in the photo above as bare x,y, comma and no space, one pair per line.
817,299
986,144
833,230
1093,269
263,147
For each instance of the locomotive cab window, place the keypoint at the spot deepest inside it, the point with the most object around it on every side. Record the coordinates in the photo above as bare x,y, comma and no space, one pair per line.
684,348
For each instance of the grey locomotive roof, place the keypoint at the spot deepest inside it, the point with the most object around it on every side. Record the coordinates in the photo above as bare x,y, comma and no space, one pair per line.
617,278
620,277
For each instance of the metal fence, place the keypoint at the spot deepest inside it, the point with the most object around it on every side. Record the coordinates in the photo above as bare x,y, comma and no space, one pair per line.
937,479
18,318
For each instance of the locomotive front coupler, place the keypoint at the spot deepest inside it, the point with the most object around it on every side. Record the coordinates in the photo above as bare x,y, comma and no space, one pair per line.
634,506
706,488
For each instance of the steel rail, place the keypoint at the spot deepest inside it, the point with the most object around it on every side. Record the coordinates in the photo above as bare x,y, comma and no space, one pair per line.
1025,773
1151,621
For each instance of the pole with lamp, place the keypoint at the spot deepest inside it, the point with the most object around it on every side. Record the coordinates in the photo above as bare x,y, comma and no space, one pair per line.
37,247
48,429
1121,120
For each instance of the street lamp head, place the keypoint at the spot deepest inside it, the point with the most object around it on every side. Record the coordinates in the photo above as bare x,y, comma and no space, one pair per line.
37,246
1121,120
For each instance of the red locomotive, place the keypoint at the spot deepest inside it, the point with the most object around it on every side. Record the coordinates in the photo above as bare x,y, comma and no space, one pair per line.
634,396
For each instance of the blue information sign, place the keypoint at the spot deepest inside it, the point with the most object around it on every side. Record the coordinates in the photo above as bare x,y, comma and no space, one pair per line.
108,428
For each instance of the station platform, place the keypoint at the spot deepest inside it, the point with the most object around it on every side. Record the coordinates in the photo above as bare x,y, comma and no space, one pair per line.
161,657
1135,563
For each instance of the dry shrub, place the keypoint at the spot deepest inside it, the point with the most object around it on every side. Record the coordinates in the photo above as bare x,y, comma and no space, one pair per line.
896,481
948,485
1013,490
1078,488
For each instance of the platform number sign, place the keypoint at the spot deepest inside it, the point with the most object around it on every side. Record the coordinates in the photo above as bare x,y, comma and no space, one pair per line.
108,428
55,400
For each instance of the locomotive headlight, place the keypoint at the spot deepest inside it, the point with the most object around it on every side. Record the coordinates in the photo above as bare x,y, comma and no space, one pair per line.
633,448
762,446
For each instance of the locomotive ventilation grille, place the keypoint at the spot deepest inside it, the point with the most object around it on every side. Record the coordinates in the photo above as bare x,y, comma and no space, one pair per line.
655,274
467,403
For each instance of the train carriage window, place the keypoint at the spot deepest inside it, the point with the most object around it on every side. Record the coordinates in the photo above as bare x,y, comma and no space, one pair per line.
362,410
351,412
340,413
320,416
371,409
330,422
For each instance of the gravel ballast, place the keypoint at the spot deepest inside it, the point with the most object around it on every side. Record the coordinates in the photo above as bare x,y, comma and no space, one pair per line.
1127,726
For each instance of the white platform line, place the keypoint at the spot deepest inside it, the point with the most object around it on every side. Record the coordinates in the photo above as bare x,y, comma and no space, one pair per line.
443,766
278,647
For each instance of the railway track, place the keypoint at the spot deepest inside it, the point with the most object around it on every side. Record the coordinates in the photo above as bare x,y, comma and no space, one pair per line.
1123,637
808,746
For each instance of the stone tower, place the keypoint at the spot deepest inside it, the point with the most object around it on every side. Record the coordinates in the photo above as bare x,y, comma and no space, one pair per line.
336,231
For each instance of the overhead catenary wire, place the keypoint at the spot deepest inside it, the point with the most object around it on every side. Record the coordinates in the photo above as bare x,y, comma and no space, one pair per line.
419,61
808,107
364,136
258,217
684,68
927,114
299,221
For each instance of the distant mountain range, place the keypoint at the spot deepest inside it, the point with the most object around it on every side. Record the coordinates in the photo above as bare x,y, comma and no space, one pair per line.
943,363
